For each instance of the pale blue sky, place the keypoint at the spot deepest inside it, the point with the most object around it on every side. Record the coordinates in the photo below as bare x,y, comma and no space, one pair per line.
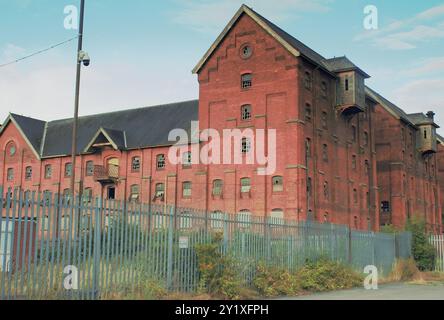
143,51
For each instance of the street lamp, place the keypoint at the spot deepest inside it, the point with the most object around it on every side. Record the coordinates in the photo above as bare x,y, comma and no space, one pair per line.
82,57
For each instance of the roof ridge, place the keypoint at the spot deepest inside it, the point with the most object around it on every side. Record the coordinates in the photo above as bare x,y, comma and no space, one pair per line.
125,110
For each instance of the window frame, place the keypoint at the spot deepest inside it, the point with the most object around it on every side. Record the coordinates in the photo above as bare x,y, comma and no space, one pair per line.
160,162
246,112
89,168
189,193
28,173
246,81
277,183
136,164
244,188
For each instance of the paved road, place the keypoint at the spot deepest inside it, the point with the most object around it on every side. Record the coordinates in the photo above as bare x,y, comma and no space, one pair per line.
385,292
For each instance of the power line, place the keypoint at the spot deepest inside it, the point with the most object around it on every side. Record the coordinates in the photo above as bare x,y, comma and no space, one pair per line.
38,52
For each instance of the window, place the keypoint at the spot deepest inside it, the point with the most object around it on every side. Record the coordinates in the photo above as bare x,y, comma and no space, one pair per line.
307,80
68,169
245,185
48,171
67,196
307,148
347,84
277,216
28,173
354,162
135,164
307,112
355,196
87,195
134,193
160,190
367,166
10,174
324,89
89,168
326,191
278,184
187,159
246,145
354,133
309,186
218,187
326,218
186,189
246,81
246,51
385,206
324,120
186,220
325,153
161,162
217,220
246,112
244,219
11,148
425,133
366,140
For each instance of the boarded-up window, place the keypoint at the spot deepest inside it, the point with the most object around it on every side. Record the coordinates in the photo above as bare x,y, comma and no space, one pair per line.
218,187
134,193
90,168
186,189
28,173
245,185
278,184
48,171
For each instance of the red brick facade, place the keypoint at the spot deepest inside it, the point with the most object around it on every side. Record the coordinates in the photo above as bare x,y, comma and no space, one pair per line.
336,165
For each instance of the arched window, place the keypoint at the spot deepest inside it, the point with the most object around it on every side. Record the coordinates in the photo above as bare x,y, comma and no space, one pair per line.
217,220
244,219
246,112
277,216
134,193
11,149
87,195
68,169
160,190
218,186
186,220
246,81
48,171
278,184
28,173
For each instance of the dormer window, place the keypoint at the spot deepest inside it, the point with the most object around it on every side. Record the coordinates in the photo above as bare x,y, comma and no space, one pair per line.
246,112
246,81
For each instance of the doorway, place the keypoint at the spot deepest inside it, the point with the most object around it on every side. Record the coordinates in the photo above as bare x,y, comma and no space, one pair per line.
111,193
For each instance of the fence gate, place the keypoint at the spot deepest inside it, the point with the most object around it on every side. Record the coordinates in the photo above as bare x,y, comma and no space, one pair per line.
6,233
438,242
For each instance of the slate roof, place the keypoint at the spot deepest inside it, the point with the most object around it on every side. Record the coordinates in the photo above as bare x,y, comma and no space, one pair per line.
339,64
138,128
421,118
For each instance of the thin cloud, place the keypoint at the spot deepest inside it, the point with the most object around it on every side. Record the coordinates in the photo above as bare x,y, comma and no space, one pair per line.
210,16
407,34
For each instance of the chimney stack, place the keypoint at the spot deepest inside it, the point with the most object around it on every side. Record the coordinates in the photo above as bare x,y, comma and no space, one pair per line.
431,115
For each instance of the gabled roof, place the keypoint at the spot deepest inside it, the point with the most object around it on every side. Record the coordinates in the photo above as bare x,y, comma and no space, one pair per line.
31,129
143,127
293,45
128,129
421,119
116,138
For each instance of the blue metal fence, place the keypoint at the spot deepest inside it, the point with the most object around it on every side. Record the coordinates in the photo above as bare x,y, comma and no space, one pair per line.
46,240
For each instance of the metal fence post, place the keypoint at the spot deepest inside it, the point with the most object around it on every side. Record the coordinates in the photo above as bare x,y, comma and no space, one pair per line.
170,250
97,238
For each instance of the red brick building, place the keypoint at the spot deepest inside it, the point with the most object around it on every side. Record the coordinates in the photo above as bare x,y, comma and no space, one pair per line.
254,76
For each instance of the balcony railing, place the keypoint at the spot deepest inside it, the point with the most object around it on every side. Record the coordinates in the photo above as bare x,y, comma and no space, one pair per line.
106,174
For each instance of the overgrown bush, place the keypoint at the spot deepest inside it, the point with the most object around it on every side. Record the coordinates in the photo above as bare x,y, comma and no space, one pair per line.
273,282
326,275
404,270
218,273
423,252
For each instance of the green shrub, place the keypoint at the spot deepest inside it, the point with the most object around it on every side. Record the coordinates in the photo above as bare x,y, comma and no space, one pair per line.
423,252
218,273
325,275
273,282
